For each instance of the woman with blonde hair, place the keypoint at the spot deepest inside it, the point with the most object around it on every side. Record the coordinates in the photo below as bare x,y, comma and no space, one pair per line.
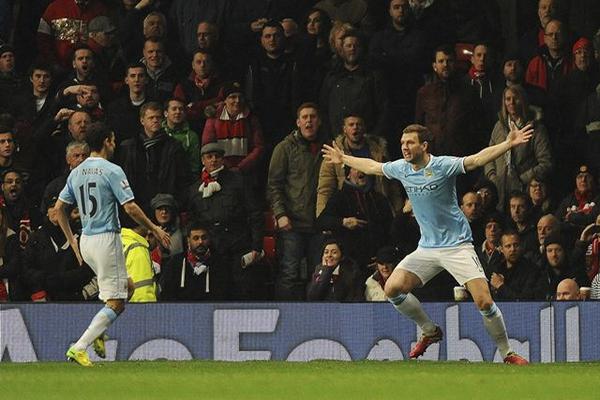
515,170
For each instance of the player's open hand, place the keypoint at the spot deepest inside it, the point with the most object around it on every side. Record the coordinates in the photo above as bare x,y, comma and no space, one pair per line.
163,237
518,136
75,247
333,154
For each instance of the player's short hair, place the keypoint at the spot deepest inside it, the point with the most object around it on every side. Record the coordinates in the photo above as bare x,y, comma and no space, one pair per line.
422,132
307,105
151,105
96,134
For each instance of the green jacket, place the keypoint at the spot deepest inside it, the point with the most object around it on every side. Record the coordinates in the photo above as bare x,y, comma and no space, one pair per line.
293,179
189,141
139,266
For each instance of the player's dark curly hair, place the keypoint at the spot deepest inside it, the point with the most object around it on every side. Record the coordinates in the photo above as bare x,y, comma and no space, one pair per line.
96,133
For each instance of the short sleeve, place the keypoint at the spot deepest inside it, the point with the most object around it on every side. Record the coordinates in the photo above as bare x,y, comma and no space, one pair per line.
393,169
66,194
452,166
120,186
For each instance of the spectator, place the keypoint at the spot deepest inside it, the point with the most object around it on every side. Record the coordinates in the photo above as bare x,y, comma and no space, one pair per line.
51,270
10,81
197,274
84,74
7,145
386,259
589,243
160,70
88,100
567,289
317,27
292,190
338,31
489,252
358,216
580,208
400,51
108,54
534,38
539,196
176,126
138,263
21,214
520,220
138,21
354,141
237,130
355,12
553,61
558,265
351,87
470,205
488,193
58,135
336,277
513,73
153,161
209,42
272,84
63,26
450,109
11,287
588,124
290,33
202,90
165,214
32,106
224,202
123,114
515,278
75,153
515,170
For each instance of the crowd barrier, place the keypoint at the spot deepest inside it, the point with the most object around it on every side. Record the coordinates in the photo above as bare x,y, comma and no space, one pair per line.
542,332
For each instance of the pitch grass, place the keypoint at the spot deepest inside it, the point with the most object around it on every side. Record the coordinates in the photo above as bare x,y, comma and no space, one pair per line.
169,380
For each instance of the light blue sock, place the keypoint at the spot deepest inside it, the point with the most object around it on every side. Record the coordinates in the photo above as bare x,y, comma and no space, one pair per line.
409,306
99,324
494,324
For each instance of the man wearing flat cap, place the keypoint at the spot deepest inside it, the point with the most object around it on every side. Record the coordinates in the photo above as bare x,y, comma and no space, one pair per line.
224,202
103,42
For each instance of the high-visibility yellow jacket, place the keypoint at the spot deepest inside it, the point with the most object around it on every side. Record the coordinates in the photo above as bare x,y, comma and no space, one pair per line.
139,266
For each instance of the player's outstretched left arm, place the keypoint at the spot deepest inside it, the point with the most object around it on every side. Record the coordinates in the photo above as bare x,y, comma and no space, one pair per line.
135,212
63,222
514,138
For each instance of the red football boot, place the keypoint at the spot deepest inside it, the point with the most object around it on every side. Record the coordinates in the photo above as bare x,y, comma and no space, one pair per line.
425,342
514,358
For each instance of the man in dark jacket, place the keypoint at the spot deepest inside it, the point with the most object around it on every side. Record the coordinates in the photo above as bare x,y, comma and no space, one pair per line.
224,201
272,84
352,87
198,273
292,192
515,277
558,265
153,161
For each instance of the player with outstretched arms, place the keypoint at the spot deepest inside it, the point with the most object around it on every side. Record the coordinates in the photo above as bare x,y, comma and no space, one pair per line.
97,187
430,182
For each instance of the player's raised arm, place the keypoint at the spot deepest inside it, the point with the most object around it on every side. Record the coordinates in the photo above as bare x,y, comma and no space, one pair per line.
333,154
135,212
63,222
515,137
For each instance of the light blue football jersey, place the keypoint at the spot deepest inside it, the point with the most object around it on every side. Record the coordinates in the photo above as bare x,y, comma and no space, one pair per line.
432,192
98,187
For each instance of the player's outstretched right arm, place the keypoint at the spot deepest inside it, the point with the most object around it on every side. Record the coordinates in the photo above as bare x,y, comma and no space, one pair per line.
135,212
63,222
335,155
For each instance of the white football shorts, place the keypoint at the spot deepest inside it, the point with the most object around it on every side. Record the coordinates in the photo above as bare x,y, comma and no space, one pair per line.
460,261
104,254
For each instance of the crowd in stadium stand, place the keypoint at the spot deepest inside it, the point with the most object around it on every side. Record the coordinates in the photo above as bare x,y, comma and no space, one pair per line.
220,109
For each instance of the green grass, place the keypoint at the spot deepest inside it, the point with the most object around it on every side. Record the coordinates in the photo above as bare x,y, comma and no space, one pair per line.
167,380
